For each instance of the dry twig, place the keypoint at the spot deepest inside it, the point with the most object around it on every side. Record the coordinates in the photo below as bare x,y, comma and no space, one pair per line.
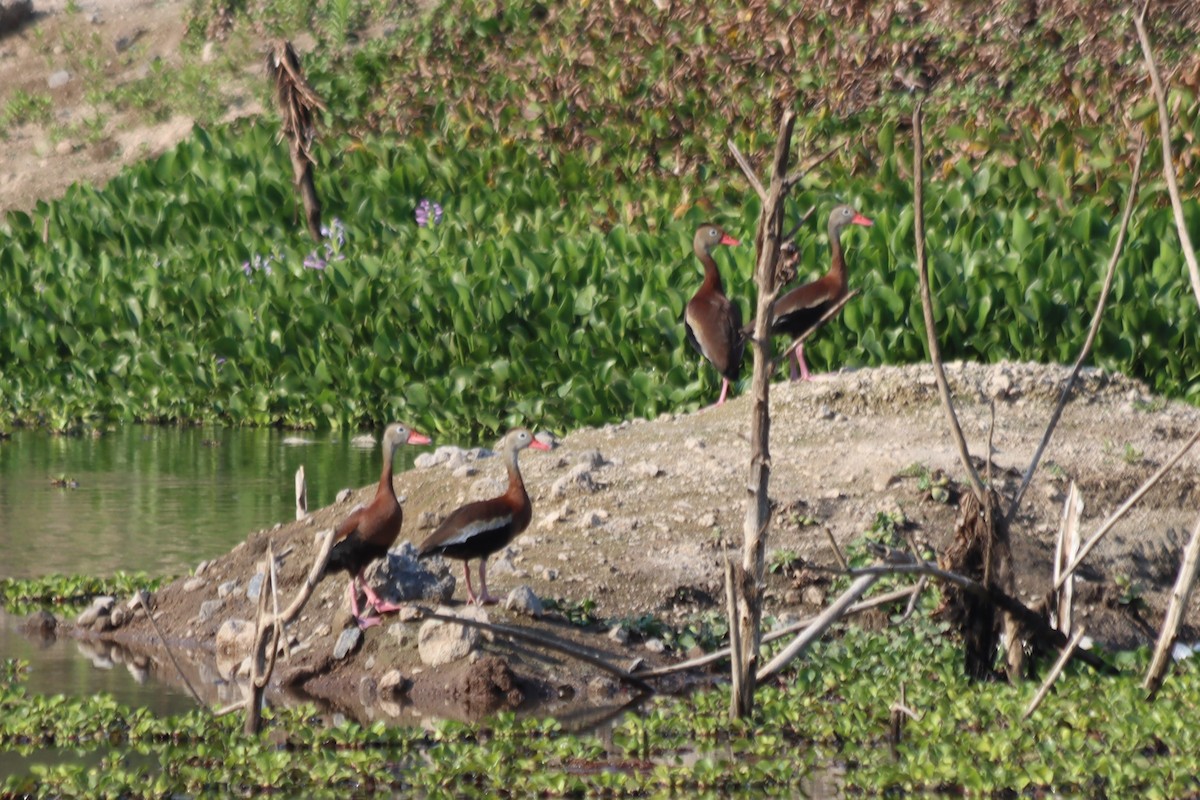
1086,350
141,597
1055,671
1174,616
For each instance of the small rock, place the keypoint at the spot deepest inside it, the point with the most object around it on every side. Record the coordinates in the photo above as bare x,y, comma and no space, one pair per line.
525,601
364,440
100,607
580,477
118,617
255,586
601,688
593,519
194,585
347,642
825,412
655,645
427,460
694,443
465,471
618,634
442,642
549,574
200,568
402,633
393,683
234,639
592,459
342,496
227,588
65,147
813,596
209,52
427,520
708,520
208,610
58,79
647,469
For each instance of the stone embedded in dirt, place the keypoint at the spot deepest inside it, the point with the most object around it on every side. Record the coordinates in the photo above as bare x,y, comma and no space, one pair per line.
593,519
347,642
618,634
707,520
647,469
100,607
549,574
580,477
465,471
655,645
394,683
209,609
234,639
403,632
255,586
694,443
342,496
601,688
428,460
194,585
427,520
401,577
593,459
441,642
525,601
227,588
118,617
59,78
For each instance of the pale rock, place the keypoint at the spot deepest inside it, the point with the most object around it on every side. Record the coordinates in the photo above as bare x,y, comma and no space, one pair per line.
118,617
401,577
655,645
618,634
647,469
208,53
593,519
441,642
694,443
465,471
707,520
209,609
348,641
100,607
431,459
255,586
234,639
364,440
227,588
342,496
427,520
200,568
194,585
523,600
580,477
59,78
592,459
549,574
402,632
813,596
393,682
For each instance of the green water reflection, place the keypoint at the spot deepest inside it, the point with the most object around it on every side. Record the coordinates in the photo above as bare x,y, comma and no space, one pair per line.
160,499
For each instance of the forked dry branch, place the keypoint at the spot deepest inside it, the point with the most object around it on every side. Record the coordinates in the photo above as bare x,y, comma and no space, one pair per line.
298,105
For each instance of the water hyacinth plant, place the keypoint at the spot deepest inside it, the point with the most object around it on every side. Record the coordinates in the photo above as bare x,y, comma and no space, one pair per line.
428,213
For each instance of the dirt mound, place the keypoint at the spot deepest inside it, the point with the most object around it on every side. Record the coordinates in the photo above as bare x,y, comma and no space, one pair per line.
635,516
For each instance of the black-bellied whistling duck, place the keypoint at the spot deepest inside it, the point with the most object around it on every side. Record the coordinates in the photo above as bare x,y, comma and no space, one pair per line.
802,308
713,322
370,531
479,529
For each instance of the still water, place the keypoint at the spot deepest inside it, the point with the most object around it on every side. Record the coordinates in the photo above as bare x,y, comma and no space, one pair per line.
161,499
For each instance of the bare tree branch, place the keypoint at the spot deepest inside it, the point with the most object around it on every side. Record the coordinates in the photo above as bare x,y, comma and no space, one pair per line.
1055,671
1091,337
1124,509
1164,129
748,171
1174,616
935,356
790,181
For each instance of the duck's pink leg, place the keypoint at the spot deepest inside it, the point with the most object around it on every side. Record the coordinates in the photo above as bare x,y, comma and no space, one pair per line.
485,599
352,591
377,602
470,591
798,358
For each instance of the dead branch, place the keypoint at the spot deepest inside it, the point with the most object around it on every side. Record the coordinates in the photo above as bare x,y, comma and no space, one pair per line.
1174,616
1055,671
837,551
828,315
1066,547
301,495
1031,620
724,652
1164,130
542,641
832,614
790,182
297,106
1086,350
262,665
935,356
737,672
767,240
787,237
1116,516
141,598
748,171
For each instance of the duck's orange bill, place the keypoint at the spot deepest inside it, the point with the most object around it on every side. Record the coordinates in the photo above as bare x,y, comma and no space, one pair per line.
859,219
418,438
727,239
536,445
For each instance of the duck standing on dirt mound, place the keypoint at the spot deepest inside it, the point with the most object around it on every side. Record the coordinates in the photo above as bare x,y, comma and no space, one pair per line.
712,321
370,531
479,529
798,311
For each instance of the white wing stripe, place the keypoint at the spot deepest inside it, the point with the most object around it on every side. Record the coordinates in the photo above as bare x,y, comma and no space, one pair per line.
476,528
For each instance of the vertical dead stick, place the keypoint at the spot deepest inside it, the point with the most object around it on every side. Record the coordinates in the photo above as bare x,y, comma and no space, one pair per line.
737,672
935,356
1066,547
1164,130
301,494
837,551
1055,671
1116,516
1091,337
831,615
767,241
1175,610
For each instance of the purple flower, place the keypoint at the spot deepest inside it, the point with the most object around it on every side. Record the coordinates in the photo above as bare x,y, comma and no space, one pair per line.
220,360
428,213
313,261
246,267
